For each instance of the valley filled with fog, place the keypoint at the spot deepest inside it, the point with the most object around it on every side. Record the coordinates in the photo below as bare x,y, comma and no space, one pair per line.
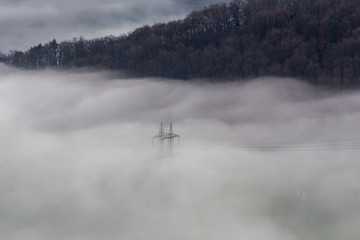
264,159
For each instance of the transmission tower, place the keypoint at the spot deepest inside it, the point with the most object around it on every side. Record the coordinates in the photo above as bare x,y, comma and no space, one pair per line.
170,137
162,136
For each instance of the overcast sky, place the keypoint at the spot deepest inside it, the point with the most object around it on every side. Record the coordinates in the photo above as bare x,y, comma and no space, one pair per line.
24,23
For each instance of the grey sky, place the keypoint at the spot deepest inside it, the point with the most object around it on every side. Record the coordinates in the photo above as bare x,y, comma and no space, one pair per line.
24,23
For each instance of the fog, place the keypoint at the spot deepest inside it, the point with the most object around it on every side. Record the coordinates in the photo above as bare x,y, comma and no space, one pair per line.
265,159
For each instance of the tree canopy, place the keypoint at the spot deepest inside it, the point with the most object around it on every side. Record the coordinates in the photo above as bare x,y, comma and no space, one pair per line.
314,40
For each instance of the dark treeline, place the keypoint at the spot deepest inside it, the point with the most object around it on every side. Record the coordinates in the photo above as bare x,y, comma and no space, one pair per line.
314,40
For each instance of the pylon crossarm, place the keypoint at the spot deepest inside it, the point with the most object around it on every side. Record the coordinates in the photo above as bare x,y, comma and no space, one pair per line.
169,136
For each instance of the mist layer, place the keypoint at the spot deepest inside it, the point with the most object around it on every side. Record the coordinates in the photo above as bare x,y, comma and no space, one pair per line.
272,158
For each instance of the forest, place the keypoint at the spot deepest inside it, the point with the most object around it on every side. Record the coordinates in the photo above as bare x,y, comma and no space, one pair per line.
317,41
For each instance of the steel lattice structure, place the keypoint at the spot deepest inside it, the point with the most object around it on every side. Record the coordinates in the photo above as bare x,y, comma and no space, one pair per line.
164,136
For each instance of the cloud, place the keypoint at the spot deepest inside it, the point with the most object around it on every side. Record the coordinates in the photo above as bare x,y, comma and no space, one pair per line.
272,158
24,24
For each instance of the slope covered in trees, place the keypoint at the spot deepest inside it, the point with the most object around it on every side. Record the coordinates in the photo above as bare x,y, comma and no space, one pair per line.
314,40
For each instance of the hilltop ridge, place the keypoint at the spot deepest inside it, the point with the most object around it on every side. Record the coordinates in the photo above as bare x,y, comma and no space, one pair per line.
317,41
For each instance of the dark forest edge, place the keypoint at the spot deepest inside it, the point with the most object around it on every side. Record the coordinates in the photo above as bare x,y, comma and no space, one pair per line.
317,41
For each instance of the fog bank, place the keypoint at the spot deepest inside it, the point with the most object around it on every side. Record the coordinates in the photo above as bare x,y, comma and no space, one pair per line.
271,158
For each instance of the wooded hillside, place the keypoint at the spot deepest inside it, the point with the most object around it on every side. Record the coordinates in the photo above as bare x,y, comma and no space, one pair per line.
314,40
